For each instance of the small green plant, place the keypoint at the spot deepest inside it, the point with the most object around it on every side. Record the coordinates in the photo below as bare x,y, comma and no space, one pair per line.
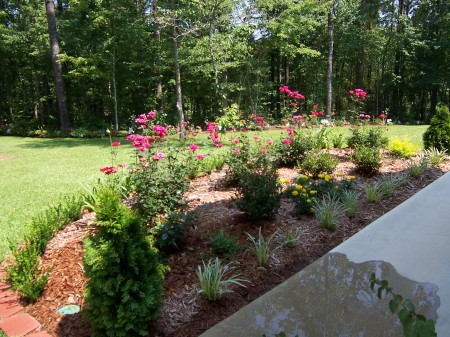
373,192
259,193
438,133
224,246
416,166
414,324
337,140
350,200
212,282
388,184
171,233
262,248
372,137
367,159
402,148
290,237
318,162
435,156
124,291
329,211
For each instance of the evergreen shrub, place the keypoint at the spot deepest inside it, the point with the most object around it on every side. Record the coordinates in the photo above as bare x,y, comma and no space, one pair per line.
438,133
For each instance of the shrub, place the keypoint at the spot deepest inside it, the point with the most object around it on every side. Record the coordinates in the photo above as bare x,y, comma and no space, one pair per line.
367,159
318,162
435,156
171,233
262,248
402,148
160,186
259,193
223,245
211,278
328,211
337,141
438,133
367,137
124,290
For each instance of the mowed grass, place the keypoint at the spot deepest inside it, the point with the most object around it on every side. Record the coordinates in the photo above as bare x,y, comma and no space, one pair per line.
36,173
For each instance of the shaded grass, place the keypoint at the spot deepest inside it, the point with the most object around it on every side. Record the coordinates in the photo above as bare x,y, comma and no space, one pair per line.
36,173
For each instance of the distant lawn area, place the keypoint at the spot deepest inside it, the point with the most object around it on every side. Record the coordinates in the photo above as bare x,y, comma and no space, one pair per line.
36,173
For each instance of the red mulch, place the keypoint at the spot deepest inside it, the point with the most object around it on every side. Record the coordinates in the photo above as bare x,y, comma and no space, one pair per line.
185,313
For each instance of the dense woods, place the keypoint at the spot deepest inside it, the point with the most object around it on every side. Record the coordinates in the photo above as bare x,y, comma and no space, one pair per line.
95,64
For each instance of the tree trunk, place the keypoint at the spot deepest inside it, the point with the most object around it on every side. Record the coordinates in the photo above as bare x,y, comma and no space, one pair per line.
179,98
214,66
330,64
57,69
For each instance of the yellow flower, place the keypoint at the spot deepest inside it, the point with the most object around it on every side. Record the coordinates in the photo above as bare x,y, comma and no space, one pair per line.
339,174
309,200
352,177
336,187
303,191
294,193
327,177
310,175
312,192
299,187
282,180
320,176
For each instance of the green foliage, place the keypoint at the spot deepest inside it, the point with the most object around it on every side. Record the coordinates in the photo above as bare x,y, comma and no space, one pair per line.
337,140
306,190
171,233
438,133
418,165
318,162
262,248
435,156
212,282
231,119
367,159
290,237
402,148
372,137
125,278
159,186
224,246
388,184
414,324
259,191
373,192
329,211
24,272
350,200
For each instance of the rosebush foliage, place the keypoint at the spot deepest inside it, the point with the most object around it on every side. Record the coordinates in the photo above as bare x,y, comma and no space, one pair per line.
367,137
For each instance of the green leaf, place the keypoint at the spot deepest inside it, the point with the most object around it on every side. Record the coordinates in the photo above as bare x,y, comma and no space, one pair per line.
404,315
393,305
409,305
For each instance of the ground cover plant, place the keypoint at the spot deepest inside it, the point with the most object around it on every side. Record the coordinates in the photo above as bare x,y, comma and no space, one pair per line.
215,204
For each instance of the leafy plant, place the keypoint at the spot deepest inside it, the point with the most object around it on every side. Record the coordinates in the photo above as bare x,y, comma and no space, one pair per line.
435,156
259,193
387,184
373,192
318,162
125,284
350,200
337,140
418,165
212,282
223,245
372,137
262,248
290,237
438,133
414,324
402,148
171,233
328,211
367,159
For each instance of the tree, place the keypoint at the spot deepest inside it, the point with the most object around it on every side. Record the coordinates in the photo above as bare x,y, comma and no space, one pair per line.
57,68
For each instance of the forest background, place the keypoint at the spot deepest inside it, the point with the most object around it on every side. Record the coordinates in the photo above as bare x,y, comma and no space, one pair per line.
95,64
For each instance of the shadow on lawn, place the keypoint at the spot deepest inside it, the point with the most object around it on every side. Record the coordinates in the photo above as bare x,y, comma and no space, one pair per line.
41,143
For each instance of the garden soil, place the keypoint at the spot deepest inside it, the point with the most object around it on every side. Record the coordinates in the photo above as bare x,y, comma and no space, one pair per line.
185,313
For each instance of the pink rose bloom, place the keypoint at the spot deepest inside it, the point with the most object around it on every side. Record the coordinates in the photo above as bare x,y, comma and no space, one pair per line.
287,141
235,141
200,156
193,147
151,114
131,137
115,144
264,151
237,151
108,170
270,141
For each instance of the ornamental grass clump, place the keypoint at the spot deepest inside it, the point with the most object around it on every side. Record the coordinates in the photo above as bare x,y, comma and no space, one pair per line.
262,248
435,156
350,200
373,192
418,165
388,184
212,282
329,211
124,291
290,236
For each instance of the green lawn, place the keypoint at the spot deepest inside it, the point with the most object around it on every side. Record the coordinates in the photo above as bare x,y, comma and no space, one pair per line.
36,173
